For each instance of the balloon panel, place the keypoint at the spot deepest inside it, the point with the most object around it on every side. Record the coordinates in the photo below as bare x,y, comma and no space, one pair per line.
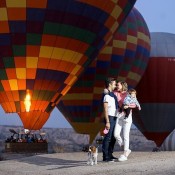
45,46
158,77
34,120
128,52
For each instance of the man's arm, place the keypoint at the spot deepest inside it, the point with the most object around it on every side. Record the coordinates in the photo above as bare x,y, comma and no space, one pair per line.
105,106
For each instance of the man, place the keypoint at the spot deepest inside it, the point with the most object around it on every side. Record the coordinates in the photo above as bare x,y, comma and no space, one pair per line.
110,105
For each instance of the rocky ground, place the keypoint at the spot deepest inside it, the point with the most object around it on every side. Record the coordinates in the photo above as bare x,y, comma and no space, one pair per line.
139,163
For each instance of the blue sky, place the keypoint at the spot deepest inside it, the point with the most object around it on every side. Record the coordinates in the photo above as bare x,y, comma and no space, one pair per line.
159,16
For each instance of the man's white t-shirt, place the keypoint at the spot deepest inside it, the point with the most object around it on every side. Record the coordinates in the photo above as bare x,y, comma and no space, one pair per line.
111,105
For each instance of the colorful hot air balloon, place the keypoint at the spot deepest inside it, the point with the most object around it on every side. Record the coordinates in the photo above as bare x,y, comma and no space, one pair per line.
156,90
125,57
46,44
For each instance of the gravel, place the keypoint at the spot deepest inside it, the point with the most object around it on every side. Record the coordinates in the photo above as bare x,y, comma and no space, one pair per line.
138,163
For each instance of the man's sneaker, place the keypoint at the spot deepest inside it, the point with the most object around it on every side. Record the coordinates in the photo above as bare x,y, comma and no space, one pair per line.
108,160
122,158
113,158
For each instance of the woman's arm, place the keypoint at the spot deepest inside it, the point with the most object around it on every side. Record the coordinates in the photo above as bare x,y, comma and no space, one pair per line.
132,105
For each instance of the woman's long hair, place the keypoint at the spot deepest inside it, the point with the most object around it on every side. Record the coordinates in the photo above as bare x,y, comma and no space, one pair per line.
124,85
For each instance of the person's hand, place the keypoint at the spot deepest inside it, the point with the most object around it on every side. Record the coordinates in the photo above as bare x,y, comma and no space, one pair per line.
139,108
125,107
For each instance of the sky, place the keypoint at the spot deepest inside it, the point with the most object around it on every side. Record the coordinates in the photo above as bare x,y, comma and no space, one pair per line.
159,16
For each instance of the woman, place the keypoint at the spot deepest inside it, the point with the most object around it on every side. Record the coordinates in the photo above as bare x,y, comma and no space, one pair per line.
122,122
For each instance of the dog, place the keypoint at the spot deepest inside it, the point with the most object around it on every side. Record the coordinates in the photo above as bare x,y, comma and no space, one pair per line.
92,155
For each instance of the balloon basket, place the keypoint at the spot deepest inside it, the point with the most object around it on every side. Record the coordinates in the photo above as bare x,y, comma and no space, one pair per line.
26,142
26,147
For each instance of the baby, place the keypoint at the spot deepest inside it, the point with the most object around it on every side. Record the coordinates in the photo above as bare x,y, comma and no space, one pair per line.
130,99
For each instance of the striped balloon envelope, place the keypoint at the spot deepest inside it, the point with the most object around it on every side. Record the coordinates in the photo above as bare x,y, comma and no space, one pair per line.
156,90
46,44
169,143
125,57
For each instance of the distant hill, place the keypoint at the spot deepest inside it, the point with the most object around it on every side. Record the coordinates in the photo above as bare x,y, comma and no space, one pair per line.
67,140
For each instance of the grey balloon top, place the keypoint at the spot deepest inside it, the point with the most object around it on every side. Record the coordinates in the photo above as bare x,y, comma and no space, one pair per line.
162,44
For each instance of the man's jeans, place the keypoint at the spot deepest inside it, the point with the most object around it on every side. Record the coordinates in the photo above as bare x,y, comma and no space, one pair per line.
109,140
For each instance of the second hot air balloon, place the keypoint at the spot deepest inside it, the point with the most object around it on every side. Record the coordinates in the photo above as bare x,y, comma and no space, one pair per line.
125,57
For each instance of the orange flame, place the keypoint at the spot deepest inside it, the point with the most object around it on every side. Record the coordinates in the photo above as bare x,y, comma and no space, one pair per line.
27,102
